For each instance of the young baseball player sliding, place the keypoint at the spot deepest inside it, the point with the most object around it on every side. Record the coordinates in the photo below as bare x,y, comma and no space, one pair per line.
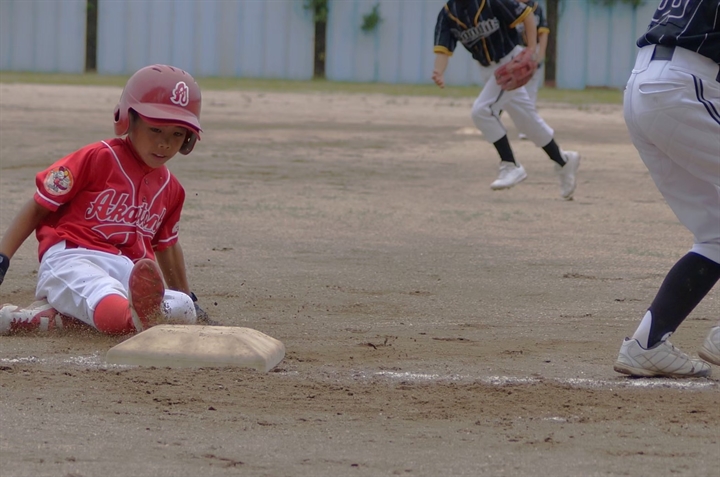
672,111
108,214
486,28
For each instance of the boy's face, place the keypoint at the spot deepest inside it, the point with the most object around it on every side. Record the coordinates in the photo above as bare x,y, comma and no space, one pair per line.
156,144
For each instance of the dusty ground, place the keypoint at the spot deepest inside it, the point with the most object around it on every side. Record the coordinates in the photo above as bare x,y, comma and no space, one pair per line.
432,326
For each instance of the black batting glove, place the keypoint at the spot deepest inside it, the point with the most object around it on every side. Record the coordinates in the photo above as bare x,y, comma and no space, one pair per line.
4,265
202,316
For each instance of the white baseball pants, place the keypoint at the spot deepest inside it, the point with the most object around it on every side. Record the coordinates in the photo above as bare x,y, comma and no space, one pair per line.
535,83
74,280
672,111
517,103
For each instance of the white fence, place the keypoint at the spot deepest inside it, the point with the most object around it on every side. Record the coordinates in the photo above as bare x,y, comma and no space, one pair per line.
43,36
596,44
275,39
247,38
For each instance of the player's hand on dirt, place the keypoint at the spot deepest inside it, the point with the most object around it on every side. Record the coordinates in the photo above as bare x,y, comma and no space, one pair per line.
202,316
4,265
438,78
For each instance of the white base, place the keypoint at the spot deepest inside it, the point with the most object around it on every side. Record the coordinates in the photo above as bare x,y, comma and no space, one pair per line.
193,346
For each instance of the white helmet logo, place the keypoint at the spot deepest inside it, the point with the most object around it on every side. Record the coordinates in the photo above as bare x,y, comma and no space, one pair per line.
181,94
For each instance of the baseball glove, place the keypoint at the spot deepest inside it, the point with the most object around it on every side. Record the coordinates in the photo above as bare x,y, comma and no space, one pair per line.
517,72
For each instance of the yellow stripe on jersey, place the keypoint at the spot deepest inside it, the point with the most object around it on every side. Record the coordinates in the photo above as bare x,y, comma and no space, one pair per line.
477,15
487,53
443,50
452,17
543,30
522,17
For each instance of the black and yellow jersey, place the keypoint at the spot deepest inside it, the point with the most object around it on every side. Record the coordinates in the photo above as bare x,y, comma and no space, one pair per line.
486,28
690,24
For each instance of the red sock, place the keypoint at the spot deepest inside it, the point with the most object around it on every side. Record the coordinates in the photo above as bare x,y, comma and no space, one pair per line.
112,315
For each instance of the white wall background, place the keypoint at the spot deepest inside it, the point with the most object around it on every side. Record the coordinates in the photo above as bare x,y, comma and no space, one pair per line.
400,50
275,39
43,36
596,44
244,38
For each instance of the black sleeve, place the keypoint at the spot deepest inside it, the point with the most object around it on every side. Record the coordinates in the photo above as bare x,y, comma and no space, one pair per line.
445,41
510,12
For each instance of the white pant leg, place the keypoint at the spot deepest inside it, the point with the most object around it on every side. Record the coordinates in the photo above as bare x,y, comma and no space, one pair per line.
517,103
179,308
671,110
75,280
535,83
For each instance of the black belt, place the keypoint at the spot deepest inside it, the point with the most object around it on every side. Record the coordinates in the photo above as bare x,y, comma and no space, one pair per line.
662,53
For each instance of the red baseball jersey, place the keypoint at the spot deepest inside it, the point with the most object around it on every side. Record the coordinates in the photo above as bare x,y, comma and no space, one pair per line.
104,197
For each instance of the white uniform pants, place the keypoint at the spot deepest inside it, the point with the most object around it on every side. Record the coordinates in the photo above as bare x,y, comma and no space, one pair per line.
74,280
535,83
517,103
672,110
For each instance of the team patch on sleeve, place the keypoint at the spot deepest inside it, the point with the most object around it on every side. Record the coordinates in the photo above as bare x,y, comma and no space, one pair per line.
58,181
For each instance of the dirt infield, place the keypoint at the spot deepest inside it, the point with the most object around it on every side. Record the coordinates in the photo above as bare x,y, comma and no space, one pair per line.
432,326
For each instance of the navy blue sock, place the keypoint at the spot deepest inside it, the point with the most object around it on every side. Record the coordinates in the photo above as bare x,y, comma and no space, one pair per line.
503,148
685,285
553,152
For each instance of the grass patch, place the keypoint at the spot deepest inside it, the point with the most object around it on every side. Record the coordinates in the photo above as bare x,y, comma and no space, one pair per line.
575,97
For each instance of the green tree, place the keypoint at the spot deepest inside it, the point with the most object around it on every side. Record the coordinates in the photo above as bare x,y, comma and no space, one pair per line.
319,9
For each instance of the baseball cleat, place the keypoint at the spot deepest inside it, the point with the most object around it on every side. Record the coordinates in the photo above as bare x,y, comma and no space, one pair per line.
510,175
146,291
39,316
567,174
710,350
663,359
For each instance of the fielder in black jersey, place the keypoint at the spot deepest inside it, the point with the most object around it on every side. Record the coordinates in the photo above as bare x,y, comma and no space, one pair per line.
672,111
487,29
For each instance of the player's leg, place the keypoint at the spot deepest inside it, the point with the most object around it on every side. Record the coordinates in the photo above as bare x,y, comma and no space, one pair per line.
148,303
179,308
38,316
525,116
97,288
532,89
679,147
649,352
87,285
696,202
485,114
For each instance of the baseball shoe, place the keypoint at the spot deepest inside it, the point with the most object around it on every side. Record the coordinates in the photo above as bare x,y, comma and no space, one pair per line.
146,291
39,316
510,175
710,350
567,174
663,359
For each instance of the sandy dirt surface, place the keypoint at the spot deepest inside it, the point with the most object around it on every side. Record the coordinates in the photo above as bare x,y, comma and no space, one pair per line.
432,326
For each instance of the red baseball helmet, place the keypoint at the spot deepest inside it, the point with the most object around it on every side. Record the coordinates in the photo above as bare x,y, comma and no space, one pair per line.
164,94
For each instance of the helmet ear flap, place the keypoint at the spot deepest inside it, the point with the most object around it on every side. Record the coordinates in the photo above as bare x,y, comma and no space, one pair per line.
122,121
189,144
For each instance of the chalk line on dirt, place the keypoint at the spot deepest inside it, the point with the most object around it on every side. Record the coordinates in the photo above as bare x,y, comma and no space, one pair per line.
96,360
